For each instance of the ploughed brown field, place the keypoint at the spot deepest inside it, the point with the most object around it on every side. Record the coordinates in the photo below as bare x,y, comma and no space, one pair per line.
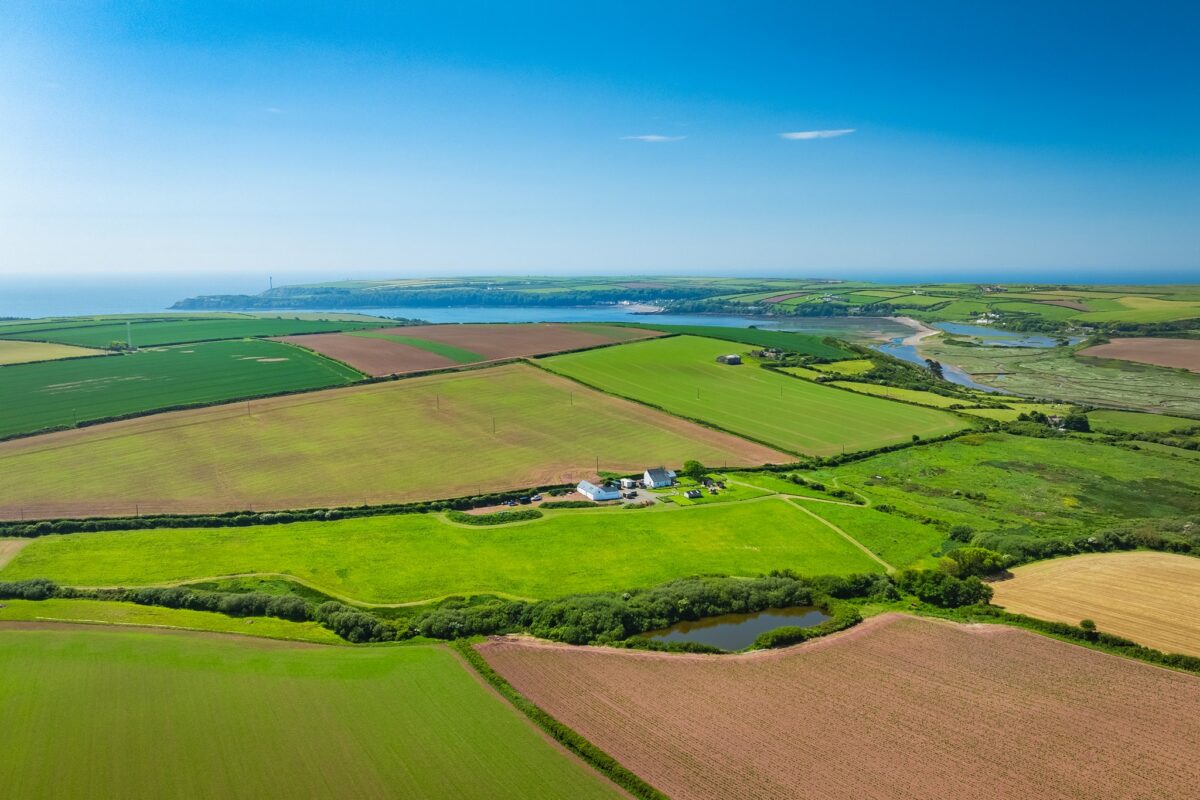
779,298
381,356
898,707
1182,353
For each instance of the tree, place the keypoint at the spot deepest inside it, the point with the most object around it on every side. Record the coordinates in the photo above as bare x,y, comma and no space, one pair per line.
694,469
973,561
936,368
1076,422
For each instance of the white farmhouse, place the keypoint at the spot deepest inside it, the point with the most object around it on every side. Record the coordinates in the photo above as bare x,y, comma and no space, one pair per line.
598,492
658,478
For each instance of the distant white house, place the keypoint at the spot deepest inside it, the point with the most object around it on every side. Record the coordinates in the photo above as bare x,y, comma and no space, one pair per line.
658,478
597,493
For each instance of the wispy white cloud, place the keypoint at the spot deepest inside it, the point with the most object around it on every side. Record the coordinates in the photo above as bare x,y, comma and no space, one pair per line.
805,135
273,110
653,137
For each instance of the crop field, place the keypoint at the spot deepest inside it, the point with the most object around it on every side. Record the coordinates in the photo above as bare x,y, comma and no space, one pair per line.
61,393
896,708
1133,422
1026,486
387,351
680,374
1011,413
24,352
1178,353
108,713
1058,374
103,612
157,332
1151,598
423,556
791,342
431,437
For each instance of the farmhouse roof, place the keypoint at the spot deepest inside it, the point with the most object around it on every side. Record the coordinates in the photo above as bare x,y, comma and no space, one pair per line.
659,474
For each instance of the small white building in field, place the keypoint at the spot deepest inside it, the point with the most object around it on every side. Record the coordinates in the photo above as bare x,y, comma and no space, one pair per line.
658,478
596,492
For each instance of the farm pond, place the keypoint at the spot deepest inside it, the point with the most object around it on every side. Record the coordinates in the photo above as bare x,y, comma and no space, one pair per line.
735,631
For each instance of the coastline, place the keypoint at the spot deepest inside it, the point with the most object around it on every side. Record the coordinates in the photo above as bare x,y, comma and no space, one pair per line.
921,330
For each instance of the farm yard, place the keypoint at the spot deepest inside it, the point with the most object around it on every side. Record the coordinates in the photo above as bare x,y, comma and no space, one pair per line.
387,351
438,436
1176,353
419,557
943,710
63,393
1151,598
108,713
680,375
13,352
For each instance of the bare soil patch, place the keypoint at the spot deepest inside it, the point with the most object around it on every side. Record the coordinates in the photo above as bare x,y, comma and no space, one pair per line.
1180,353
373,356
380,357
9,549
898,707
779,298
1152,598
511,341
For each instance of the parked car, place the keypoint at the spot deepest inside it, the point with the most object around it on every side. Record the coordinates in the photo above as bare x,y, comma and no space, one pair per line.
536,498
524,500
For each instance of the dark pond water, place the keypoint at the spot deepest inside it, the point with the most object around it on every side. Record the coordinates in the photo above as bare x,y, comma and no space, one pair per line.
735,631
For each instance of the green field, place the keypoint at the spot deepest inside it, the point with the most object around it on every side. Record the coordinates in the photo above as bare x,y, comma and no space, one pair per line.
909,395
1028,487
902,543
135,714
420,557
680,374
456,354
157,332
24,352
117,613
1133,422
61,393
854,366
791,342
439,436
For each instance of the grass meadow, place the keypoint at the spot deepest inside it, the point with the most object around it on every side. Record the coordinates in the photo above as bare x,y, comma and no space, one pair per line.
438,436
680,374
903,543
108,713
784,340
1027,487
58,393
104,612
420,557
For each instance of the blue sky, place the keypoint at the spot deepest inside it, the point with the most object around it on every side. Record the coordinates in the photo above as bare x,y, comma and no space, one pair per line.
357,139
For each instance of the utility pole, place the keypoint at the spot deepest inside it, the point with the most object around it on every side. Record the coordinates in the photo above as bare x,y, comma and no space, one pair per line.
129,333
493,426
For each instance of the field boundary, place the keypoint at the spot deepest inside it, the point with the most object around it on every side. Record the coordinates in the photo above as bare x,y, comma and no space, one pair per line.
605,764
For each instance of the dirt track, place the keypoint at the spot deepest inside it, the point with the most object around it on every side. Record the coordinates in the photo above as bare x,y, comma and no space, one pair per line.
898,707
1180,353
9,549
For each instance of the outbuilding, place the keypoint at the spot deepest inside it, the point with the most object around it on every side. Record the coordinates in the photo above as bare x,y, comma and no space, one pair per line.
731,359
600,491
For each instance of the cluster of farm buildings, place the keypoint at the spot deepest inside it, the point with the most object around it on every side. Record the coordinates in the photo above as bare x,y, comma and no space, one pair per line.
600,490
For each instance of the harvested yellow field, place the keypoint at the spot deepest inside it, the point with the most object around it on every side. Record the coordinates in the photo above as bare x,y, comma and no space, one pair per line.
1151,598
25,352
